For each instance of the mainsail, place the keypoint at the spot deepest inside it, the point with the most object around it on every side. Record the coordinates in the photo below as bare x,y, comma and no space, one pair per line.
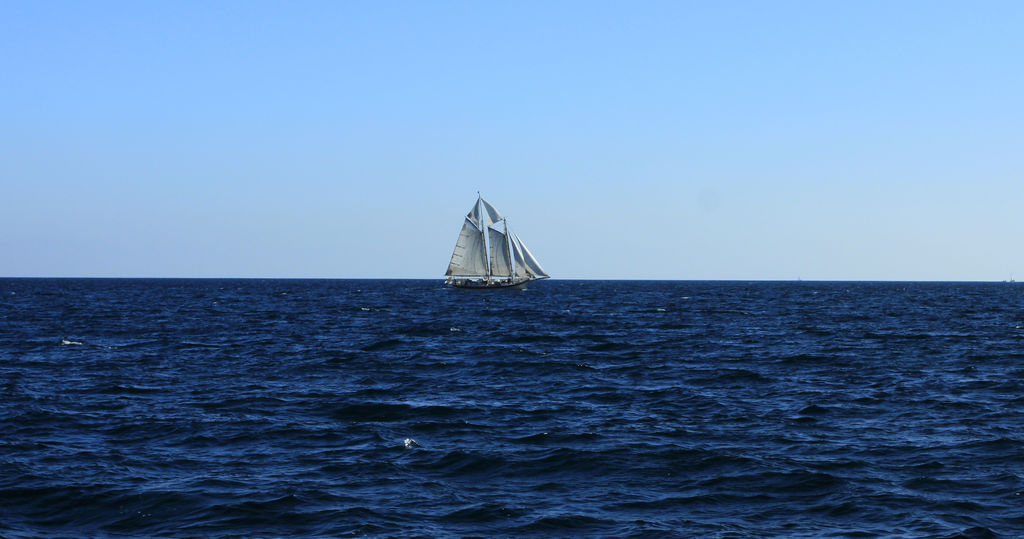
488,254
501,264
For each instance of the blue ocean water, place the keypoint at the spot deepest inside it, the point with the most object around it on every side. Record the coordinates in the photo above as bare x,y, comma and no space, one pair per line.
182,408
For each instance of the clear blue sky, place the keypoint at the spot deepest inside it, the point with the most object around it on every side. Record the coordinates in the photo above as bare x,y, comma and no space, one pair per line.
676,140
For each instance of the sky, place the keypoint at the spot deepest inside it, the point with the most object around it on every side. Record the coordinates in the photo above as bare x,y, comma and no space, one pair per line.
869,140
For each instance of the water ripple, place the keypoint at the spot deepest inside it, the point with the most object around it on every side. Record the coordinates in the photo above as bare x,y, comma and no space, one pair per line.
186,408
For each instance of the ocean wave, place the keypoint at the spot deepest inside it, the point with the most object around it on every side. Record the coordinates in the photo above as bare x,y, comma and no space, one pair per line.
338,408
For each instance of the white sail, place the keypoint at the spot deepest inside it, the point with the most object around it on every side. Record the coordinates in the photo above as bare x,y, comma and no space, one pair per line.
517,253
483,208
525,261
501,265
470,256
491,211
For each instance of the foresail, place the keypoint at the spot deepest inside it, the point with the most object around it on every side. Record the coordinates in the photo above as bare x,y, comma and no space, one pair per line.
525,260
470,256
501,266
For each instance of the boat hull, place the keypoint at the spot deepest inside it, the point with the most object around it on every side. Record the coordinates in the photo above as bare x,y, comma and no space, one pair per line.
476,284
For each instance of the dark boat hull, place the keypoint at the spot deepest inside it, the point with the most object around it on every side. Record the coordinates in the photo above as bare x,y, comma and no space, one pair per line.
489,285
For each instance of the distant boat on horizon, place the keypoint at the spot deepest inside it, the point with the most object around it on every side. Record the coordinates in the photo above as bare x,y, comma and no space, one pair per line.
489,255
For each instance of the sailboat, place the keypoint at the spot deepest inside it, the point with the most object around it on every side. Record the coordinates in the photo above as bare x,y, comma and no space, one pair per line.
489,255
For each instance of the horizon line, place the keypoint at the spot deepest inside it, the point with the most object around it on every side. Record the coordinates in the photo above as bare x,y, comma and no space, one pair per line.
722,280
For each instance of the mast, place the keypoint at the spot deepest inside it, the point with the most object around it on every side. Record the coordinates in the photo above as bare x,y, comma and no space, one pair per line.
483,234
508,247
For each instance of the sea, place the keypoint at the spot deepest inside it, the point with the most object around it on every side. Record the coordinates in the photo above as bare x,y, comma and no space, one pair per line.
404,408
